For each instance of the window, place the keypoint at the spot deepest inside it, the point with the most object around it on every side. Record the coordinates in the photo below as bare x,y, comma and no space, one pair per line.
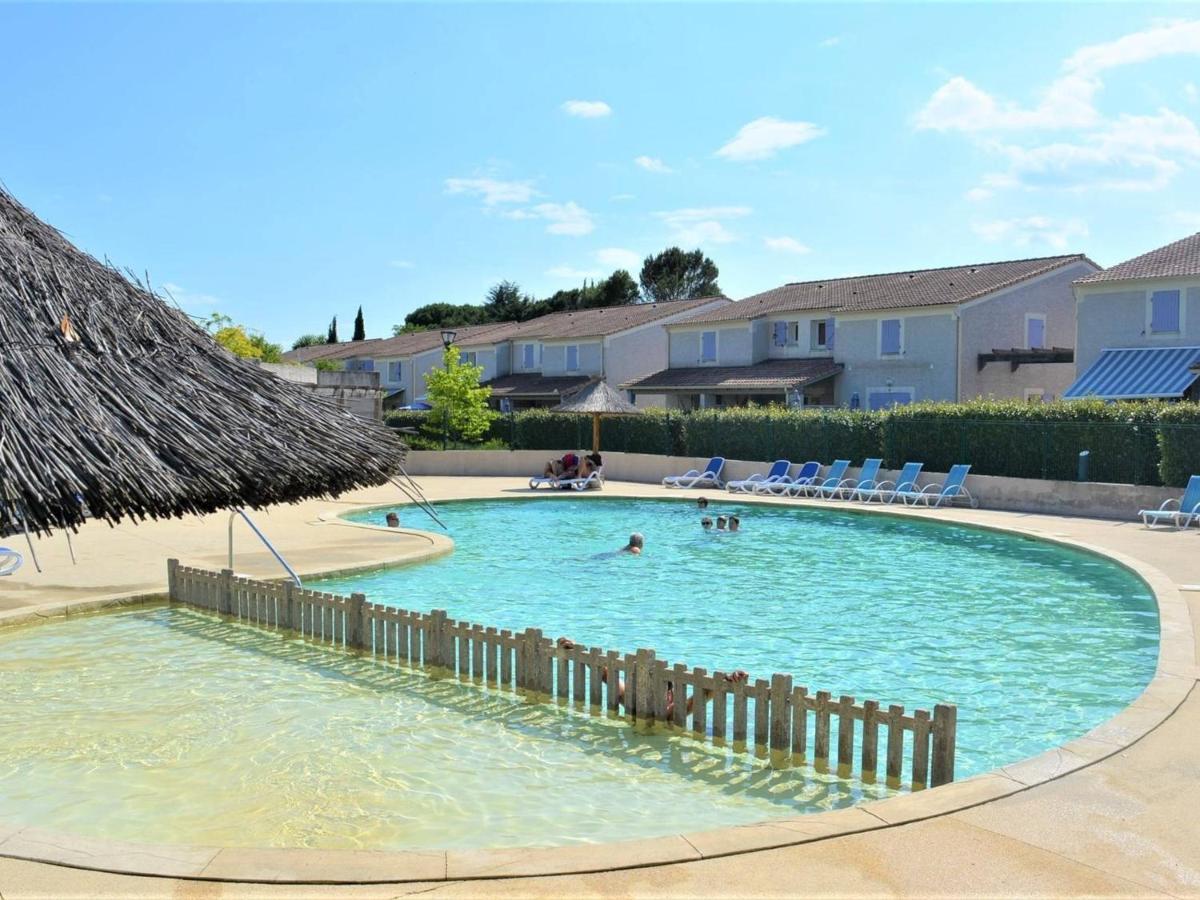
395,371
1164,312
821,335
891,337
467,356
1035,331
708,347
1034,395
527,355
779,333
572,357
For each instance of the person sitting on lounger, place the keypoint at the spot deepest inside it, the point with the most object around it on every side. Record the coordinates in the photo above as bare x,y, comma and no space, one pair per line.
566,467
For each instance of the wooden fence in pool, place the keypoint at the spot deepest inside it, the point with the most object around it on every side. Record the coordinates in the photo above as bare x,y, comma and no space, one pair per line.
775,718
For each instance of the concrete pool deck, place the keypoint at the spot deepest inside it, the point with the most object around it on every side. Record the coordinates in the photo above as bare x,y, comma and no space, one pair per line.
1125,825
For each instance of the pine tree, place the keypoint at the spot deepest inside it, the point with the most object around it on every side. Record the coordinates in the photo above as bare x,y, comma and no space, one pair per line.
331,337
360,330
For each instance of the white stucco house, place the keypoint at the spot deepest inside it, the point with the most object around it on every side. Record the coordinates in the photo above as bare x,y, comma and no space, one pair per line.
1138,327
1000,329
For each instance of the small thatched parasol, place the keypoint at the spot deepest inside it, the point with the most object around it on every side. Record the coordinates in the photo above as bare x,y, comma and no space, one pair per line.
599,399
113,400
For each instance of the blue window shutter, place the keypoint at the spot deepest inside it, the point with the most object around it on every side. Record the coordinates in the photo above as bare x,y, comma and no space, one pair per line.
1164,312
780,334
1036,337
829,334
889,336
527,351
708,346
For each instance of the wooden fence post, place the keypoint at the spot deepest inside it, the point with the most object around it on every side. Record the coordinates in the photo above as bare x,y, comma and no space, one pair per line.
172,579
643,702
781,719
356,614
288,614
226,593
945,724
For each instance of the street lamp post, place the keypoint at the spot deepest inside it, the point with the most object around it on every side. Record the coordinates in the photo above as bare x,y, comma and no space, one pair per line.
448,336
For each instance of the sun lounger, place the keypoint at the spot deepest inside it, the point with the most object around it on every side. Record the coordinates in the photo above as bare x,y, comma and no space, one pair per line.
1179,513
537,482
832,478
750,485
952,489
804,476
842,490
10,561
887,491
594,479
710,477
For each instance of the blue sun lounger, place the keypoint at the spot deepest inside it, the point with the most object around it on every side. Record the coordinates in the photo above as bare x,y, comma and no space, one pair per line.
832,478
804,476
777,472
935,495
887,491
1184,512
867,476
710,477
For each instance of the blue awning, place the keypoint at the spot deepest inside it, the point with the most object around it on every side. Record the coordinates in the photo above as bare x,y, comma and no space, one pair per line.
1138,373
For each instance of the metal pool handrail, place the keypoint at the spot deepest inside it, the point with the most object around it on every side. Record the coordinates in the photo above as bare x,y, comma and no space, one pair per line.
772,718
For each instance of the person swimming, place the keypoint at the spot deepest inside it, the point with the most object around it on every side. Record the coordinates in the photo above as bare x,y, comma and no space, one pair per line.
706,523
702,503
635,545
722,521
734,523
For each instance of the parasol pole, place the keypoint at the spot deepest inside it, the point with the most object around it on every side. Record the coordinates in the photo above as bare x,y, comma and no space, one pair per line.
595,432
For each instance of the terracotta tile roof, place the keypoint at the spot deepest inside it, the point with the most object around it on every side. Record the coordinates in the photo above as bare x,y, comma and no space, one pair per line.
340,350
534,385
894,290
775,374
423,341
606,320
1179,259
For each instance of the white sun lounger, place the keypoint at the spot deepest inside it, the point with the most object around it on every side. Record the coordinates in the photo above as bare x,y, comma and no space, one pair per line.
804,476
843,489
10,560
887,491
936,495
1184,511
595,479
832,478
537,482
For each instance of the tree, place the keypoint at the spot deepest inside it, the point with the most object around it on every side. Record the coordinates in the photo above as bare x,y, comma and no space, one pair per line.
440,315
506,303
676,275
459,402
619,289
239,342
360,329
331,337
307,340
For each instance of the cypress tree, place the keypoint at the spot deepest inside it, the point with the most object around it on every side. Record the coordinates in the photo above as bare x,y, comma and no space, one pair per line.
360,330
331,337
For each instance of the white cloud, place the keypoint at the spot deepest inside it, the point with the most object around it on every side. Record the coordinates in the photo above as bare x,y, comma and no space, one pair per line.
979,194
702,225
565,218
1122,153
763,138
619,258
492,190
1186,219
621,198
786,245
1022,232
653,164
400,263
831,41
587,109
571,274
1191,92
190,301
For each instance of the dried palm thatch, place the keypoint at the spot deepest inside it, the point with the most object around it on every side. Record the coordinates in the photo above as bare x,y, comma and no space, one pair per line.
112,399
599,399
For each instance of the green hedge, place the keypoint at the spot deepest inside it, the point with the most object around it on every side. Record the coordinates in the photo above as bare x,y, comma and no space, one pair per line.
1131,443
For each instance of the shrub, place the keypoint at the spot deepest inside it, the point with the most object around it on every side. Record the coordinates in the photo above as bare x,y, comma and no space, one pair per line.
1179,443
771,432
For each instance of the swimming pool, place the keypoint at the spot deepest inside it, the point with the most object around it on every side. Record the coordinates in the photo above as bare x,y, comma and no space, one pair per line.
168,725
1036,643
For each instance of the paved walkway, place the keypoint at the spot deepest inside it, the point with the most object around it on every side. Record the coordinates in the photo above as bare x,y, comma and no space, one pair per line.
1125,826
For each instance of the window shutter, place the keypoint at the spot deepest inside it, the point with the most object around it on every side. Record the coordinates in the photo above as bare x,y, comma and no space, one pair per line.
780,334
1164,312
1036,337
708,346
889,341
829,334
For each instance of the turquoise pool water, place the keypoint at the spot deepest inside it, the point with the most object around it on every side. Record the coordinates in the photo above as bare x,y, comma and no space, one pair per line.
1034,642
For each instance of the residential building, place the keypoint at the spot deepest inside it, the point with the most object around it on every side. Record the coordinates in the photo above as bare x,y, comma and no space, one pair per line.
1000,329
1138,327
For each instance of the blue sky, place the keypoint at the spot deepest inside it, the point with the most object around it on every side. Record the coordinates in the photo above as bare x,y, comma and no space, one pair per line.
285,163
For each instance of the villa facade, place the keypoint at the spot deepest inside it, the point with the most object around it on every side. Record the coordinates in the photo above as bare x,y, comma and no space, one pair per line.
1002,329
1138,327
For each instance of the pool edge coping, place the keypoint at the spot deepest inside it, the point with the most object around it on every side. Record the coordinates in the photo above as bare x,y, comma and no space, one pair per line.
1176,673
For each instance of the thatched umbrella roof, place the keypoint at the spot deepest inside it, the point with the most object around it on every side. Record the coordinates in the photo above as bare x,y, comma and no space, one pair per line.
598,399
112,398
